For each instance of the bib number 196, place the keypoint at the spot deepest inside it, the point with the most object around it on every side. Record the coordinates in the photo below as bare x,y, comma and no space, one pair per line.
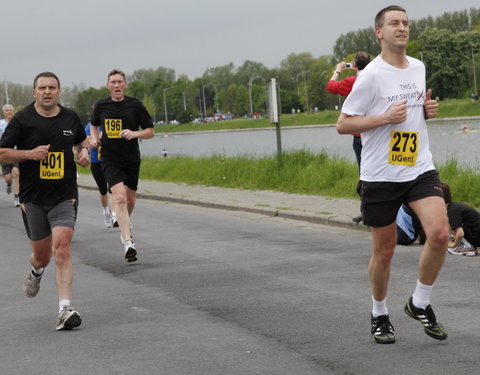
113,128
403,148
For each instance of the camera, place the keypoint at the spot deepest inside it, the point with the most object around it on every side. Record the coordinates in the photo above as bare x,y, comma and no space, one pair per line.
348,66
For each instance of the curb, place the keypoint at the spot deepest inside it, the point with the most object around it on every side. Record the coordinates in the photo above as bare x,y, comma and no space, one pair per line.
333,220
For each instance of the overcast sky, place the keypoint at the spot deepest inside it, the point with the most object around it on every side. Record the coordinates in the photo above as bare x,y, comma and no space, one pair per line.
81,41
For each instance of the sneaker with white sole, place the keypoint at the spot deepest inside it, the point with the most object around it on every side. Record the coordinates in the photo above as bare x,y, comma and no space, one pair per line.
31,285
68,319
130,251
114,220
107,219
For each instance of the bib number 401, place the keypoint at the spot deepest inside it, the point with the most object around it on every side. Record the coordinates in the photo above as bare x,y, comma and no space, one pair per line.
52,168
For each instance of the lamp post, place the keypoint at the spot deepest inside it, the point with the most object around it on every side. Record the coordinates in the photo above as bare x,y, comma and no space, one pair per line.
165,103
250,90
474,73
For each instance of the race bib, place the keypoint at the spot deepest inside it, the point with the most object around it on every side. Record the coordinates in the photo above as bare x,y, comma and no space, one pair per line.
113,127
403,148
52,168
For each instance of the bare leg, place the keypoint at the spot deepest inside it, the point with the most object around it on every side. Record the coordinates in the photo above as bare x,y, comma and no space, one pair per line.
384,241
62,237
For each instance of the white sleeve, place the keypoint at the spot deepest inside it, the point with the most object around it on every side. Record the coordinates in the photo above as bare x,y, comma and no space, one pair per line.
360,100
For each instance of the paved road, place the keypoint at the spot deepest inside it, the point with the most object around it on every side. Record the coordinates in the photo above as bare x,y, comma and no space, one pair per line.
219,292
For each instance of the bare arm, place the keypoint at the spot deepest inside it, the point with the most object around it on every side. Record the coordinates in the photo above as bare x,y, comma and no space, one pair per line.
12,156
82,152
430,106
458,233
94,138
397,113
140,134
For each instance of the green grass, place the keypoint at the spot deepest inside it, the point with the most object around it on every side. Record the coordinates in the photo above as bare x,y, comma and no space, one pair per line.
298,173
458,108
301,172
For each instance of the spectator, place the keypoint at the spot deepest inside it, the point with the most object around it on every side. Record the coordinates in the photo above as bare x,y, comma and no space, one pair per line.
409,227
464,226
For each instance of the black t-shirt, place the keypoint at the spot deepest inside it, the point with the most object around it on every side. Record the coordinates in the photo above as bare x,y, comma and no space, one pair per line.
53,180
462,215
114,117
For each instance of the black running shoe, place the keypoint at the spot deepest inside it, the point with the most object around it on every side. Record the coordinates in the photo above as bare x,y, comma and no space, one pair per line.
357,219
427,318
382,330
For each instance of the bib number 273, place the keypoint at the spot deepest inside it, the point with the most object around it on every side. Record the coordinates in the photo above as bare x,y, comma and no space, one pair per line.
403,148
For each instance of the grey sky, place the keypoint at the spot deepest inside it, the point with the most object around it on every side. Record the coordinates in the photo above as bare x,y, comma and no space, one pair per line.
82,40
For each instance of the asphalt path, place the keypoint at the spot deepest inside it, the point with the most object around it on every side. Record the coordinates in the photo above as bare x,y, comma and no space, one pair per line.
219,292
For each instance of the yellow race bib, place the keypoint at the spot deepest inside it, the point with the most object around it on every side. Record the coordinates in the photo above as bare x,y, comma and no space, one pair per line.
403,148
113,127
52,168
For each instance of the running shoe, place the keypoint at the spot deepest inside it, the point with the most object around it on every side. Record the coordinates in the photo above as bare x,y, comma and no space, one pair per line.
31,285
427,317
459,250
357,219
16,201
130,251
382,330
68,319
107,219
114,220
9,188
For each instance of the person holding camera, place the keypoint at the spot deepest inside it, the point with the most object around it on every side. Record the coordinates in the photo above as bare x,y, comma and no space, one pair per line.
344,86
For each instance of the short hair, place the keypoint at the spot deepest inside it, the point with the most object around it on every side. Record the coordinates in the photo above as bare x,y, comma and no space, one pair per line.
7,106
116,71
380,17
361,60
47,75
447,195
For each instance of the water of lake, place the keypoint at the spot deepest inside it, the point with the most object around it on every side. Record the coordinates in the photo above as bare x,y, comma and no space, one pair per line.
447,141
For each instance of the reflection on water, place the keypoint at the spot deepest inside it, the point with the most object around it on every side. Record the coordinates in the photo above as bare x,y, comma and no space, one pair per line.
447,141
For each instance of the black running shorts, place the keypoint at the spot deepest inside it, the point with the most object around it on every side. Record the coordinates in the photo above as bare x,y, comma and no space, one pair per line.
116,172
382,200
99,178
39,220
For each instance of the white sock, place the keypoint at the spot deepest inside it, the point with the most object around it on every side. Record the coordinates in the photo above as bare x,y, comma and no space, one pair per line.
106,210
421,296
37,271
62,304
379,307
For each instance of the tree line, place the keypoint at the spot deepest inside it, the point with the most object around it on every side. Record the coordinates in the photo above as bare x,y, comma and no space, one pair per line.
449,45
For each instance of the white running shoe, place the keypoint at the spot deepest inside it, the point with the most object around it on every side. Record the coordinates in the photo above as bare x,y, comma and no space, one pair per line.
114,220
16,201
130,251
107,219
31,285
68,319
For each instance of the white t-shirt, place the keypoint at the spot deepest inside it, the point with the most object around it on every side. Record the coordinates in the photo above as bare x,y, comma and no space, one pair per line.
399,152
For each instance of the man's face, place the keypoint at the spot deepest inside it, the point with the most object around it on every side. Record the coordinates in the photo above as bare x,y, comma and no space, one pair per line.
46,92
117,85
8,113
395,30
